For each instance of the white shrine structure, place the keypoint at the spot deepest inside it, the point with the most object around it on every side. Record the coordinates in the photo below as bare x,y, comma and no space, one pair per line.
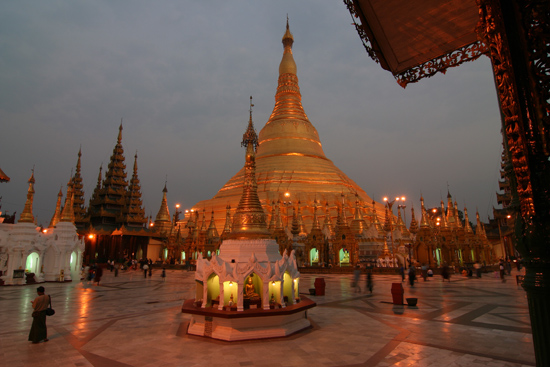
29,255
248,291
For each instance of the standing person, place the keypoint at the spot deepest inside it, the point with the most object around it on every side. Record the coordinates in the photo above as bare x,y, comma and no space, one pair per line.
356,276
424,271
445,273
98,274
39,331
145,268
369,281
117,267
501,269
150,268
477,267
402,272
163,275
412,275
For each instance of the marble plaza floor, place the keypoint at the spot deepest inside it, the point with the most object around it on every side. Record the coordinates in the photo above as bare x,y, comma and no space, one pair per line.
132,321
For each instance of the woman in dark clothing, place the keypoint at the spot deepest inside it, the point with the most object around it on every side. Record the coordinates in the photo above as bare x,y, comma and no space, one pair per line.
39,331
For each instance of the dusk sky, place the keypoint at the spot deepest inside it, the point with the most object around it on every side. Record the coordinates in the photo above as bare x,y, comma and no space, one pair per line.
180,74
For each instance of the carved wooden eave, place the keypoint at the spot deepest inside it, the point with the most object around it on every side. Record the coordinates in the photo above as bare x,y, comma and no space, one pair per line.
416,40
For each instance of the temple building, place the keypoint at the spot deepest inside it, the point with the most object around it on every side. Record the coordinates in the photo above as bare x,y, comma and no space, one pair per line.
116,218
295,179
30,254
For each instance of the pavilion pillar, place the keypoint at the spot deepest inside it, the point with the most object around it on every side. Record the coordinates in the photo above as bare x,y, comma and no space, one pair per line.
516,32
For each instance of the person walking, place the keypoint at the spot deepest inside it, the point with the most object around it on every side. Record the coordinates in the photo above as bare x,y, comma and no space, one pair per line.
402,272
145,268
356,276
445,274
369,281
39,331
412,275
424,271
501,269
98,274
163,274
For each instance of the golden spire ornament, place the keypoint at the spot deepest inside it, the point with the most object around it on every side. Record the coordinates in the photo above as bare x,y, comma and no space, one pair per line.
250,220
27,216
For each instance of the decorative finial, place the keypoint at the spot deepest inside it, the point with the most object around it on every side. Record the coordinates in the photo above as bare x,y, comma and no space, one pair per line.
120,132
250,136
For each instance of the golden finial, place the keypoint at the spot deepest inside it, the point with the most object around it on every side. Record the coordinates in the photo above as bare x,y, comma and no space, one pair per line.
287,65
27,216
120,132
250,220
67,214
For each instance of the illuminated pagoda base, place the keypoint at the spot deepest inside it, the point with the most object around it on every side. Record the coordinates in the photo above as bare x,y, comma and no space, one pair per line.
223,310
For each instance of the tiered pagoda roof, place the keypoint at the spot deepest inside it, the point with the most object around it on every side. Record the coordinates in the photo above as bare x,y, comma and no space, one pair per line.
108,198
133,214
80,216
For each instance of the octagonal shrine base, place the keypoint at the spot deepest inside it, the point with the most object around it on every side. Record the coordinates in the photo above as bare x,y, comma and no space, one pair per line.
232,325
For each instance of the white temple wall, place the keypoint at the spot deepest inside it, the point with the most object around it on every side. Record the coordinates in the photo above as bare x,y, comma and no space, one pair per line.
47,255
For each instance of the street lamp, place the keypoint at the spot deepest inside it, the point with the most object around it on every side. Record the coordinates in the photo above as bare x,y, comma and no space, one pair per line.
177,215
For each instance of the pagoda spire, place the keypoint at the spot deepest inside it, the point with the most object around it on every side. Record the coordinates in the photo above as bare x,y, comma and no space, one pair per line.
227,226
376,221
27,216
163,221
467,226
279,223
57,215
288,121
67,214
212,231
457,218
413,228
78,192
300,219
250,220
328,229
132,213
108,201
273,219
315,224
443,216
424,215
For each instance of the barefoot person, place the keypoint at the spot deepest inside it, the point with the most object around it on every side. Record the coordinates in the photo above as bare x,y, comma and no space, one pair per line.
39,330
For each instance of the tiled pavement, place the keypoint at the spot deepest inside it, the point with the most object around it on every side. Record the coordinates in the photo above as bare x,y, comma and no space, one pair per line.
132,321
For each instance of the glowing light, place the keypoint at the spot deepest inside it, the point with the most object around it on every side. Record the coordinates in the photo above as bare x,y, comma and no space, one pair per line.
177,206
385,198
287,194
434,210
508,216
45,230
403,198
230,284
272,283
91,236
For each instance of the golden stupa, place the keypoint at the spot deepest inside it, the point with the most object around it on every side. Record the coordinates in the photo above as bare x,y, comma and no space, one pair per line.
292,170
